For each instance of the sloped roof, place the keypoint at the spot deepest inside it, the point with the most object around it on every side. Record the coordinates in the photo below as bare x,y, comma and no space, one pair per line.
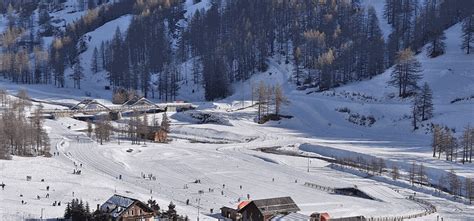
89,104
117,204
138,101
276,205
291,217
243,204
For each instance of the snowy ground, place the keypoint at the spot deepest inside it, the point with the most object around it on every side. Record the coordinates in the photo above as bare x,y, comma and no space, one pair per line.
181,162
220,154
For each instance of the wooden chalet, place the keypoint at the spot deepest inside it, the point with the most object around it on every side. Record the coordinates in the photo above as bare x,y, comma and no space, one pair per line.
122,208
261,210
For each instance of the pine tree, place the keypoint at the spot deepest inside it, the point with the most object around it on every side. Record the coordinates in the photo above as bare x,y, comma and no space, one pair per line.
426,99
406,73
67,211
102,56
437,46
375,57
77,74
58,61
468,34
415,111
95,61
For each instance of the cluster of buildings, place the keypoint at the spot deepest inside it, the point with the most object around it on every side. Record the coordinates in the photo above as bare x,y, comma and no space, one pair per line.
122,208
275,209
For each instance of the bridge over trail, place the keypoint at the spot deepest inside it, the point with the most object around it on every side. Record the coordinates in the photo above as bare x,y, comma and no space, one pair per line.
92,107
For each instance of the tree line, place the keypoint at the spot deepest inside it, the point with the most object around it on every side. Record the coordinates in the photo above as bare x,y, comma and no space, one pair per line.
326,42
21,135
417,23
454,149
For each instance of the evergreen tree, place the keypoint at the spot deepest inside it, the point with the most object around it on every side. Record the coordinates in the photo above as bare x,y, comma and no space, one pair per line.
415,111
77,74
468,34
67,211
426,102
437,46
58,61
375,58
406,73
171,211
95,61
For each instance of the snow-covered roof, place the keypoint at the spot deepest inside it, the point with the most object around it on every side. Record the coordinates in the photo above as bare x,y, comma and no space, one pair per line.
275,205
116,204
291,217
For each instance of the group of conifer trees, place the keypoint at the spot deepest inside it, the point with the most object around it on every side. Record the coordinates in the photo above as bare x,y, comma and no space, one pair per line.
329,42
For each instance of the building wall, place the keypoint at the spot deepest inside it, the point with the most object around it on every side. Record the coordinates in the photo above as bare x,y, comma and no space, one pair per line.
137,213
251,213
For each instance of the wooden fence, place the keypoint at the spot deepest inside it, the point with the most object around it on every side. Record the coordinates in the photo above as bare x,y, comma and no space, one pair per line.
428,207
319,187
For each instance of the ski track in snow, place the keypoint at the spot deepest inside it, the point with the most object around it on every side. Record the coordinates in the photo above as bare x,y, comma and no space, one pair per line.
316,125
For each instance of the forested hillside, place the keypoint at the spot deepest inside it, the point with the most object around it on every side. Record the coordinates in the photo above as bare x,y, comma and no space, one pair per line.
329,43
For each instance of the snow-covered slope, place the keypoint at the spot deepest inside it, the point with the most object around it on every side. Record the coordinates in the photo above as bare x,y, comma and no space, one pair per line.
450,76
391,136
224,153
94,82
